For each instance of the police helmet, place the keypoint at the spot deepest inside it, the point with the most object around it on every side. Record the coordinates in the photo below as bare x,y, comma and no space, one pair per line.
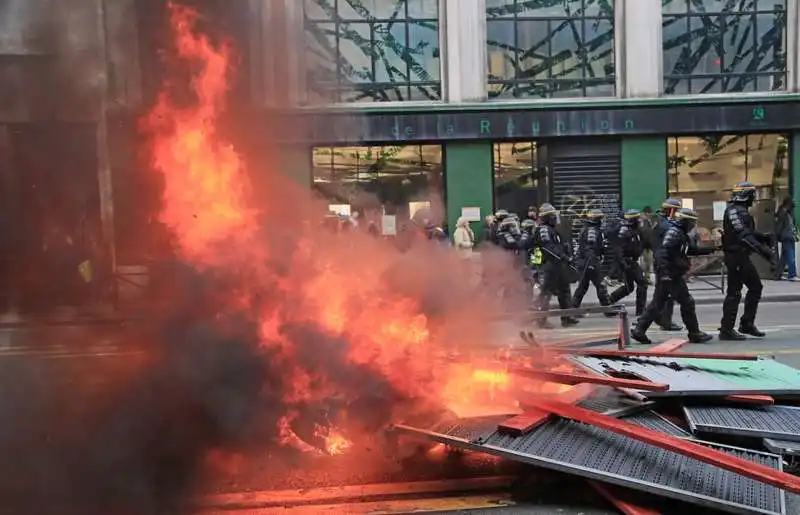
528,224
548,213
686,218
632,217
744,192
500,215
671,203
632,214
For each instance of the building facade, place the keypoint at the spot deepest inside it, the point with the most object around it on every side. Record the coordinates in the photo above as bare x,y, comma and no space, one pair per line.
462,106
496,104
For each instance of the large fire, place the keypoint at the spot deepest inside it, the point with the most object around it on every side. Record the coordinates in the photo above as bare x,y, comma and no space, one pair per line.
382,335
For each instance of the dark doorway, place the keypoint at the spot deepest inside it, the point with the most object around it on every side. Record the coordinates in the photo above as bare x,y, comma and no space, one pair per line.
52,220
520,177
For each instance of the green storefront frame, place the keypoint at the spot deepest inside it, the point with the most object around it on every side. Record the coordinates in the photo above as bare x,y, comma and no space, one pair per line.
468,131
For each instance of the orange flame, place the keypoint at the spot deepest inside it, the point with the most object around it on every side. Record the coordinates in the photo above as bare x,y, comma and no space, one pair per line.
204,183
207,205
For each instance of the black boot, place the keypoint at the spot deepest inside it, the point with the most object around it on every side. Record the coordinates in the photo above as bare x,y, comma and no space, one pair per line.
640,336
569,321
731,335
752,330
672,326
700,337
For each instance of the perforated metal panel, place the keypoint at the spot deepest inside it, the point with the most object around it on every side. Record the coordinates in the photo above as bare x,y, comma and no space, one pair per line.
782,447
702,377
609,401
780,422
591,452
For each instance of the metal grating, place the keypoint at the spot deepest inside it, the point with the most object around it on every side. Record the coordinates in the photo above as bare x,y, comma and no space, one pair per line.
707,377
779,422
652,420
782,447
610,401
587,451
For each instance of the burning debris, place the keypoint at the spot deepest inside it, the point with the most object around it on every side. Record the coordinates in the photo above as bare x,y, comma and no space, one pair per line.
271,332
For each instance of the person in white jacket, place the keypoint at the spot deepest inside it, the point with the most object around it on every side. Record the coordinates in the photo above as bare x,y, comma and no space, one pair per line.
463,237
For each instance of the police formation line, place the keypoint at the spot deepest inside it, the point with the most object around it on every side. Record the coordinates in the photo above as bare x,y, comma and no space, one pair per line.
552,262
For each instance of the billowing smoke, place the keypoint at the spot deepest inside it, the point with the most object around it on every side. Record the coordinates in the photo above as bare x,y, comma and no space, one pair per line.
268,330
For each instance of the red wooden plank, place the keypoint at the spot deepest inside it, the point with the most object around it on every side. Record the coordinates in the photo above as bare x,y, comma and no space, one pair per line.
672,345
651,354
524,423
572,378
761,400
739,466
625,507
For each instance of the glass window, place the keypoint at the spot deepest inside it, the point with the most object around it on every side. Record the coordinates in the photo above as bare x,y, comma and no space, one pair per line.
722,46
372,50
518,179
545,49
705,169
377,181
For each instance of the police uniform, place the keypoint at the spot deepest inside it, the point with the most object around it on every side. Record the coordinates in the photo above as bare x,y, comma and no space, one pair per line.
672,264
668,208
551,256
739,240
629,250
589,257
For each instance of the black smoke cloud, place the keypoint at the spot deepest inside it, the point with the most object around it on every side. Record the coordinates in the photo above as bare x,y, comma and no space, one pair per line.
138,445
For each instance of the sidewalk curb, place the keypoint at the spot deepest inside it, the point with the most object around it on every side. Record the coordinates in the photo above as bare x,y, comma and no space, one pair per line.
711,301
785,297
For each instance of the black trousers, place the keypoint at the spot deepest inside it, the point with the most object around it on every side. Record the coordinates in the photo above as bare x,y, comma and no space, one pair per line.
665,320
741,272
595,278
633,277
678,290
554,281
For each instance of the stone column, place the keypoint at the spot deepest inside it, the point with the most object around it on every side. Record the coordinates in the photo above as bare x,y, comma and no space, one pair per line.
277,45
792,42
462,26
638,38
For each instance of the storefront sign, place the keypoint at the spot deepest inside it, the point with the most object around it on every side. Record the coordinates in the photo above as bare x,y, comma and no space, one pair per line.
335,128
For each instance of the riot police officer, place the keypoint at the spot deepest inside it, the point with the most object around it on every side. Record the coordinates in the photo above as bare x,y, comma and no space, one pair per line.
628,251
552,258
589,257
661,224
672,264
739,240
499,216
508,233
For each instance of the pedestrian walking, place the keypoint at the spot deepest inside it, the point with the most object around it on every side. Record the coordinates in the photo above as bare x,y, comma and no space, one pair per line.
786,234
672,264
739,240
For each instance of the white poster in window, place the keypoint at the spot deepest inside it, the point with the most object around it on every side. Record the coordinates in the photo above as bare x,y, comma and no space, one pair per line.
688,203
413,207
719,209
389,225
340,209
472,214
